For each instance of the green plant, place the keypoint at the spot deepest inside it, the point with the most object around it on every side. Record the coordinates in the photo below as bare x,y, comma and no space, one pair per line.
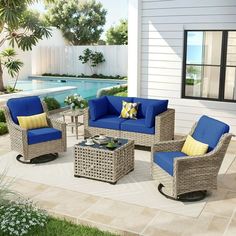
20,217
100,76
52,103
2,116
76,101
5,190
81,22
3,128
92,58
118,35
113,91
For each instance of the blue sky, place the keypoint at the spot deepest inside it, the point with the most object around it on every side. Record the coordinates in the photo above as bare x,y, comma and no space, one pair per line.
116,10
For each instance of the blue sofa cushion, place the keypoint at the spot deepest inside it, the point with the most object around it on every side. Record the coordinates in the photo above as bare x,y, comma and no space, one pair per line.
107,122
154,110
166,160
25,106
43,135
115,104
98,107
137,126
209,131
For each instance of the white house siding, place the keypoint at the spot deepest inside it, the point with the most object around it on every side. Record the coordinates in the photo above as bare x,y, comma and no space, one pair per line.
161,41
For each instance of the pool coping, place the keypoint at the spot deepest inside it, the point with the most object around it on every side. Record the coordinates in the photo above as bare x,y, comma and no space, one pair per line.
39,92
76,78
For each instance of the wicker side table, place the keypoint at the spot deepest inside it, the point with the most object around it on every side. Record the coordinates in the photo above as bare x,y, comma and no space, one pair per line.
97,162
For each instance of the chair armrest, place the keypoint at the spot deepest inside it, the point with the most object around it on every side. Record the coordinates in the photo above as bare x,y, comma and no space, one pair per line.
211,160
57,124
168,146
86,117
165,125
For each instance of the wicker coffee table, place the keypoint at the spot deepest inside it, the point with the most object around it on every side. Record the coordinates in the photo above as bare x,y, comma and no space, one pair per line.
99,163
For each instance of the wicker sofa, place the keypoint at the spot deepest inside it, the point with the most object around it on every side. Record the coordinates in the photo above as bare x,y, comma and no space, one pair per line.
155,121
183,177
36,142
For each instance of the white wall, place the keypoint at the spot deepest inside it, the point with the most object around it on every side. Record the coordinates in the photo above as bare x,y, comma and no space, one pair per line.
162,25
64,60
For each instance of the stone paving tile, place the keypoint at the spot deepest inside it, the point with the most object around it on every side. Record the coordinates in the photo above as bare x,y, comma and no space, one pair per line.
207,224
168,224
231,229
120,215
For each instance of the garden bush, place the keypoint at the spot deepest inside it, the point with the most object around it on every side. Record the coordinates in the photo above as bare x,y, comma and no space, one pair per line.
20,217
2,116
114,91
3,128
52,103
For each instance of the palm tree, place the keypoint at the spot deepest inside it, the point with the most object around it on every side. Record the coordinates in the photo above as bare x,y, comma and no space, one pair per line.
20,27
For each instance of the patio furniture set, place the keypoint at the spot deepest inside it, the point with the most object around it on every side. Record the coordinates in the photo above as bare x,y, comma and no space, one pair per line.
183,169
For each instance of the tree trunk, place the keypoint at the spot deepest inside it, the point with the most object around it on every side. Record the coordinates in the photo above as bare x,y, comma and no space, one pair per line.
1,78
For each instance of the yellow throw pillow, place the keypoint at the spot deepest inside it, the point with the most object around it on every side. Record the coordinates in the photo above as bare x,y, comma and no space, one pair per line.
193,147
129,110
33,122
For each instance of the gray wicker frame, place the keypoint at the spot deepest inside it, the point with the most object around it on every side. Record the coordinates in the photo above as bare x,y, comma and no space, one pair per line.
164,130
19,143
191,173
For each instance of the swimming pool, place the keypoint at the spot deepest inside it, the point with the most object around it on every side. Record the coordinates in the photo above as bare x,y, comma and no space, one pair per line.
87,88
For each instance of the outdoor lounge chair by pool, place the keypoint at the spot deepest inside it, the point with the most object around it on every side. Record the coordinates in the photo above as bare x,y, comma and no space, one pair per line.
34,145
183,177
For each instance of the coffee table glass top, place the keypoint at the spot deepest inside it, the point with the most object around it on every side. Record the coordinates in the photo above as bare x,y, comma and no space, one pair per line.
120,142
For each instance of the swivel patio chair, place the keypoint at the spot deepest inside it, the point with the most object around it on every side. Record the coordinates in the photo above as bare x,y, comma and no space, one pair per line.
34,145
188,178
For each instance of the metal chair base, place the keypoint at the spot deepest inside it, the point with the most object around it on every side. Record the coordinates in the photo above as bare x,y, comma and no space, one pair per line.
38,160
186,197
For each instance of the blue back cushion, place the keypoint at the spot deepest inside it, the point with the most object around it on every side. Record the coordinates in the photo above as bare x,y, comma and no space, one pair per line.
25,106
209,131
115,104
149,108
98,108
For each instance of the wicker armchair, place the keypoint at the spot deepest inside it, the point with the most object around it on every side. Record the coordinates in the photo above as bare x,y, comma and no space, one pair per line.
19,139
192,175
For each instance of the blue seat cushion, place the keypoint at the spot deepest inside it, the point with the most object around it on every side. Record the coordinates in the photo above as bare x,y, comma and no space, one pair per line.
115,104
98,107
166,160
209,131
107,122
137,126
25,106
43,135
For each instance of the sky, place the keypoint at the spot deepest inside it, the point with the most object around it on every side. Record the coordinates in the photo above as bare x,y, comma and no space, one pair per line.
116,10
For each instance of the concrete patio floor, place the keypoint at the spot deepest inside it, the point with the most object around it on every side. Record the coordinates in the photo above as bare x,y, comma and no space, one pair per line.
218,216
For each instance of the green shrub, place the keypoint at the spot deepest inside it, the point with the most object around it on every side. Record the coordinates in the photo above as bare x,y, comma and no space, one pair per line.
2,116
97,76
113,91
52,103
3,128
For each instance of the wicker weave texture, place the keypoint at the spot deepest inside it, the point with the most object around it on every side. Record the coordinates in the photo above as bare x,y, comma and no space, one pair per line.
164,130
19,139
190,173
104,165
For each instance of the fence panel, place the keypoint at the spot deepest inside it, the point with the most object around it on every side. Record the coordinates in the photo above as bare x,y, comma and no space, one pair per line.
64,60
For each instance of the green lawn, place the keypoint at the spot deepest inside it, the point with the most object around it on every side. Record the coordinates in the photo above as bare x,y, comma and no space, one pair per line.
56,227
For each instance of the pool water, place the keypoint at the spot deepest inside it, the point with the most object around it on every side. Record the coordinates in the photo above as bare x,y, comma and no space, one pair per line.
87,88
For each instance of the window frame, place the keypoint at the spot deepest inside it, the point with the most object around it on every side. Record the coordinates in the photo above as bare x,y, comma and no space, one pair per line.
222,66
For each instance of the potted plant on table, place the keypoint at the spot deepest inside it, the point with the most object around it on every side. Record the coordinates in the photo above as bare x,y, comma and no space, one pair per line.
76,102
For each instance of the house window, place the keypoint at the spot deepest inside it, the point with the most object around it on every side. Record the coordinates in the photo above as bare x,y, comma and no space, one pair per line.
209,66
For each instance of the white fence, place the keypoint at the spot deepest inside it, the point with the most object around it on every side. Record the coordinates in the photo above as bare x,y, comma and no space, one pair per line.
64,60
